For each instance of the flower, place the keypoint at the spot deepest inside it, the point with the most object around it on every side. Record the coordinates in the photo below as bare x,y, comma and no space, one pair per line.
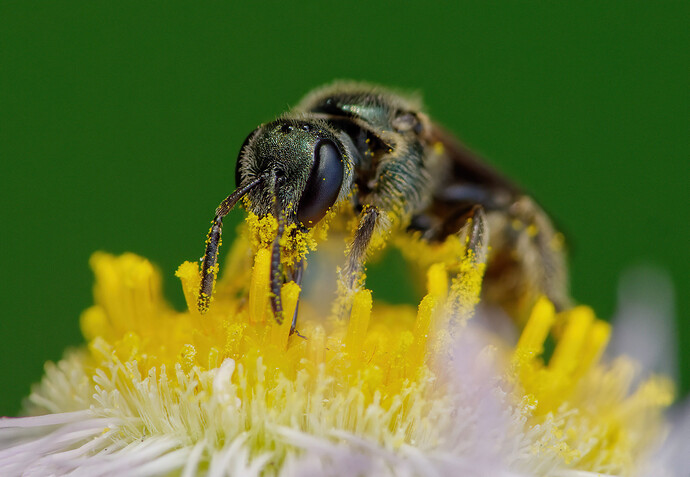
390,390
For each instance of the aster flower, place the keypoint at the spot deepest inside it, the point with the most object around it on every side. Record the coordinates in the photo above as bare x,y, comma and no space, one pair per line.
389,390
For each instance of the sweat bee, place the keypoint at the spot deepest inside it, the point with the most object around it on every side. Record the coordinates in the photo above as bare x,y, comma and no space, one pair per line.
400,172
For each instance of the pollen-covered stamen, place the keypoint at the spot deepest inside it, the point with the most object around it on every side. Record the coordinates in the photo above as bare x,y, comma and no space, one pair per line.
297,278
209,266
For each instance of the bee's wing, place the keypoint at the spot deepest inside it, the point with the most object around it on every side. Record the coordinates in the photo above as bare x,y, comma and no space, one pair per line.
469,171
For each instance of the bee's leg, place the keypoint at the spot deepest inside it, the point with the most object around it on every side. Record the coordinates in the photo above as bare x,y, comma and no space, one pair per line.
475,234
209,266
276,274
541,248
466,285
276,280
297,278
360,244
527,260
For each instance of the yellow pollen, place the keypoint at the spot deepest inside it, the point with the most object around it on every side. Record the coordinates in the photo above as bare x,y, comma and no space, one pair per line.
380,360
359,322
532,338
260,286
280,332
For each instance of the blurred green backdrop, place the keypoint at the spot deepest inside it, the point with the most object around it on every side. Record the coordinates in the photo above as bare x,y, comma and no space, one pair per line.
120,123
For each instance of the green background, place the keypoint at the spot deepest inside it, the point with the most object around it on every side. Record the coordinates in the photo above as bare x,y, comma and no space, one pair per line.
120,123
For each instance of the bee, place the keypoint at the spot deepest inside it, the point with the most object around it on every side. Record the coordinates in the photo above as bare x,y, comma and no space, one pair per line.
401,173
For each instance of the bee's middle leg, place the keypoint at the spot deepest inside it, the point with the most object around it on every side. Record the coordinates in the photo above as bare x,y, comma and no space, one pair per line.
360,244
466,284
475,234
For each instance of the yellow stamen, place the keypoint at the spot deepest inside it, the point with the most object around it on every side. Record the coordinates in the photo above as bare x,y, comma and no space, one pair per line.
594,346
359,322
540,322
188,273
373,374
280,332
567,354
260,286
437,281
422,326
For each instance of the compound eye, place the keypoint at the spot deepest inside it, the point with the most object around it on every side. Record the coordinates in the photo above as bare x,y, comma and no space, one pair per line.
323,184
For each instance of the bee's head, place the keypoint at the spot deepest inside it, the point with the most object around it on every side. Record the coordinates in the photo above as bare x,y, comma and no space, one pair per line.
303,166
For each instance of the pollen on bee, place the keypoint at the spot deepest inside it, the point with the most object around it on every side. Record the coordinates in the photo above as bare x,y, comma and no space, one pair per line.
557,242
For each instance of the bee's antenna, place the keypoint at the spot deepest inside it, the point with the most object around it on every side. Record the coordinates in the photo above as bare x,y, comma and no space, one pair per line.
209,269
